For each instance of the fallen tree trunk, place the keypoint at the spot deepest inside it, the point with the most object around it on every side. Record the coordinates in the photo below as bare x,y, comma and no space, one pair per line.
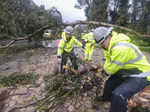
107,24
11,43
28,37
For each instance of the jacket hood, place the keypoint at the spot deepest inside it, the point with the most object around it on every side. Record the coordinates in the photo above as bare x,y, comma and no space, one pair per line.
118,37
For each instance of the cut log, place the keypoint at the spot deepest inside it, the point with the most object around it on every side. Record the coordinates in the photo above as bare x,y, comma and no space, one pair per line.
141,99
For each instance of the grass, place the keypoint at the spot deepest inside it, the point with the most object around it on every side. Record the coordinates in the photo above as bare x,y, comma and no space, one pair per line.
146,49
4,36
142,42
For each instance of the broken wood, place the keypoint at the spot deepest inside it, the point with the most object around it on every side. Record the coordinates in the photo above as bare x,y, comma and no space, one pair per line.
141,99
85,69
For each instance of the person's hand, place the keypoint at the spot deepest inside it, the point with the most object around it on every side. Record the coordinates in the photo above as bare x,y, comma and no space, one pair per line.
58,57
105,73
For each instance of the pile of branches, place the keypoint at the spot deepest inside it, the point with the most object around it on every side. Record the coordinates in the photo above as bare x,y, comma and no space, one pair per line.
61,87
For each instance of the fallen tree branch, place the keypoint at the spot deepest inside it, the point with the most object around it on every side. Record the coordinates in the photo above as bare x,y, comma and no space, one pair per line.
8,45
107,24
37,31
11,42
28,37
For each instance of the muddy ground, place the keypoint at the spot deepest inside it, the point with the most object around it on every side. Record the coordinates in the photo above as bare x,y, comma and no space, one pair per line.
41,62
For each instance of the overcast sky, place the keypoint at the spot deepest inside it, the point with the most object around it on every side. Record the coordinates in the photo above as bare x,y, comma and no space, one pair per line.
66,7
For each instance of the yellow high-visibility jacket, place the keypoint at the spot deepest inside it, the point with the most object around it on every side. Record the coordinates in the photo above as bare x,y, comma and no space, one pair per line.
122,54
88,37
89,46
67,45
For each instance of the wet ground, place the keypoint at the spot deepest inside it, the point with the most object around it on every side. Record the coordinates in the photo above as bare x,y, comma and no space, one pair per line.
42,61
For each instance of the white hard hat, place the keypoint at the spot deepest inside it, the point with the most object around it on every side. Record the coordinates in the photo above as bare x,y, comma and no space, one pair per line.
101,33
68,30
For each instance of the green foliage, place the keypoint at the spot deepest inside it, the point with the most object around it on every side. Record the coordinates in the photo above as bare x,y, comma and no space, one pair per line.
60,87
17,79
146,49
98,10
135,15
62,84
22,17
142,42
4,36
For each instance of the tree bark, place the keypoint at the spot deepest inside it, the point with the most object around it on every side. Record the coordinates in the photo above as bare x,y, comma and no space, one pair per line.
107,24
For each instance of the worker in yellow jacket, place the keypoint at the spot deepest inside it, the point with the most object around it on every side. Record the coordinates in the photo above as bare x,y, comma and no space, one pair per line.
89,46
126,65
66,48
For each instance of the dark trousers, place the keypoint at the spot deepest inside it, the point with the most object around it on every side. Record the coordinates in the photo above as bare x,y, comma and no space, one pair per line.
118,90
72,57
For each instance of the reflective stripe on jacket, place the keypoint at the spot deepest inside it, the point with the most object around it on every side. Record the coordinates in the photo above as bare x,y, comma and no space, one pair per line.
121,54
67,45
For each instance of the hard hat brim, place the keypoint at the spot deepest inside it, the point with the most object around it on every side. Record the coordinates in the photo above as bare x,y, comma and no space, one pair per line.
67,32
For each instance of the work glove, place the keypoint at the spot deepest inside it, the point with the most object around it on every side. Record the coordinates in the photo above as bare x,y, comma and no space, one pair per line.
105,73
58,57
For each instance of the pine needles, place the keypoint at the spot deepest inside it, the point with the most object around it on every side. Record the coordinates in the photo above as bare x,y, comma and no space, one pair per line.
62,87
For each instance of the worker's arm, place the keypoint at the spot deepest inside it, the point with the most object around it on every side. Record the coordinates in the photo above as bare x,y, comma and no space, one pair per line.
119,55
60,47
78,43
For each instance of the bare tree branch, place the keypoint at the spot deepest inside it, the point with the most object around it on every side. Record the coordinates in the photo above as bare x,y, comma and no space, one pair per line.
28,37
9,44
107,24
12,42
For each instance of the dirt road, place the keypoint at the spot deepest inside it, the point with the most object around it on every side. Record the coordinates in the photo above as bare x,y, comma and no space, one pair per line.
42,61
